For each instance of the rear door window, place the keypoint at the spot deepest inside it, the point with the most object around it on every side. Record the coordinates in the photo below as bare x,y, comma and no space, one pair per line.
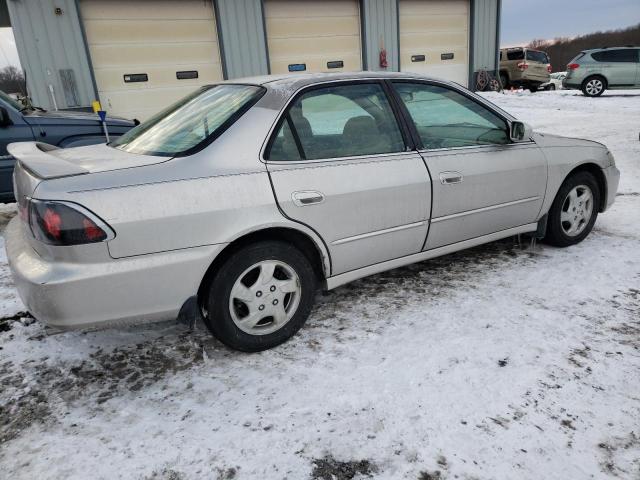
515,54
337,121
445,118
621,55
535,56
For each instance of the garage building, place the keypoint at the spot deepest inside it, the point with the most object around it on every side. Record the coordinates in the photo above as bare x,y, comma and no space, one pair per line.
139,56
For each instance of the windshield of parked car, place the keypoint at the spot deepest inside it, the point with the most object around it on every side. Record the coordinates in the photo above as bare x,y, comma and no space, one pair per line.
11,101
191,123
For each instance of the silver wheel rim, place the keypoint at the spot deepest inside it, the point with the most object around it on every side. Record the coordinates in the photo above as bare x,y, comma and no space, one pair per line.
265,297
594,86
576,210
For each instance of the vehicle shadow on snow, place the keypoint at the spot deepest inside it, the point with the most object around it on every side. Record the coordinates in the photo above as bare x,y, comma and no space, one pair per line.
113,362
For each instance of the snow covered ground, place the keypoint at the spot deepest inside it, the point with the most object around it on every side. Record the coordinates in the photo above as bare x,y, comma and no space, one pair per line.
494,363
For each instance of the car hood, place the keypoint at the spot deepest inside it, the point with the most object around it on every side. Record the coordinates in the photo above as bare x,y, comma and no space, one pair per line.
60,117
46,161
549,140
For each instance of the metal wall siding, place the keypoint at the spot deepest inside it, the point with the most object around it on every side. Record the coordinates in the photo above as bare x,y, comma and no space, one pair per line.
243,40
380,30
485,31
48,43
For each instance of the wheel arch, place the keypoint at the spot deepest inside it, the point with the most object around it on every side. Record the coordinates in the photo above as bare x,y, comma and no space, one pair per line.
593,75
596,171
311,247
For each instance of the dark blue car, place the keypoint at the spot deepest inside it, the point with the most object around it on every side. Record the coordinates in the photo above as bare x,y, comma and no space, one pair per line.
63,129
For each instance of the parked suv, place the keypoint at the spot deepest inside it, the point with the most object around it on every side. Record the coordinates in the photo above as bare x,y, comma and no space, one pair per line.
594,71
524,67
64,129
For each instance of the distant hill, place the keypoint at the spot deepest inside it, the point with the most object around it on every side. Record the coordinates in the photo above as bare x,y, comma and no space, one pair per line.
563,50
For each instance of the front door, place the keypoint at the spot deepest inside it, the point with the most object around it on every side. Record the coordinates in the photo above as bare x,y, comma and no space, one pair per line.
339,164
482,182
17,131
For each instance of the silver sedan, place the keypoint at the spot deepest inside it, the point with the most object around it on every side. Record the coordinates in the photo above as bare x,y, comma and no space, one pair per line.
241,200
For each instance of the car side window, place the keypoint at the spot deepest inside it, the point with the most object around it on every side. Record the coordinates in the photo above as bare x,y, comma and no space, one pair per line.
626,55
445,118
337,121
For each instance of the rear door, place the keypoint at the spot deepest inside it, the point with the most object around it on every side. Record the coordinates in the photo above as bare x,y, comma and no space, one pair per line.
339,164
620,66
482,183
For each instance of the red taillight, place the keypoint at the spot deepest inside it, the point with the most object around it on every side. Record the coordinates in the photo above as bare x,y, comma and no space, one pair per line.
573,66
52,223
549,68
63,223
522,66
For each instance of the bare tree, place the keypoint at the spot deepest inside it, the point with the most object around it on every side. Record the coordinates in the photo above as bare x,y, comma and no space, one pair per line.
12,80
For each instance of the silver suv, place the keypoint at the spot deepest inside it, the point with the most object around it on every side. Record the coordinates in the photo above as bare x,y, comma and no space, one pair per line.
594,71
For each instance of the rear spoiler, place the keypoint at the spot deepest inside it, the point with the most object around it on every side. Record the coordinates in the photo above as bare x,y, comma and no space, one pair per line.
37,158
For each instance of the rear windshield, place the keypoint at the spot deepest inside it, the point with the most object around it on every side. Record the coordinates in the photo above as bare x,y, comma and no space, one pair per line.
534,56
515,54
191,123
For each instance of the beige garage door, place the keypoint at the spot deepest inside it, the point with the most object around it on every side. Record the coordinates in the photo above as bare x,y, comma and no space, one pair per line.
139,48
313,35
434,38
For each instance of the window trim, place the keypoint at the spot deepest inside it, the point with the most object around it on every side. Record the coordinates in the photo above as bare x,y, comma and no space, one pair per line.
414,130
283,115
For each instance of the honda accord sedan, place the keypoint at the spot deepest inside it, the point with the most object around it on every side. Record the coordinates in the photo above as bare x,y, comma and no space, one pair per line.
243,199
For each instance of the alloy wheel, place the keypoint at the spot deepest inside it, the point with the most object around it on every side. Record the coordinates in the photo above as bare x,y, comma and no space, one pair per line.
265,297
577,209
594,86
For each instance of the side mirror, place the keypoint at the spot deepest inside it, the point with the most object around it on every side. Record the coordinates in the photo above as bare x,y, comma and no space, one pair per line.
5,119
520,132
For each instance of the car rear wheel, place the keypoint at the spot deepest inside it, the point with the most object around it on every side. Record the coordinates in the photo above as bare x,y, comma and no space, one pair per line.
260,296
533,88
574,210
594,86
504,80
552,86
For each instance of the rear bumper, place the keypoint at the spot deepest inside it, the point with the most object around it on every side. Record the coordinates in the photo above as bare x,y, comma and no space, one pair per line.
571,84
612,176
130,290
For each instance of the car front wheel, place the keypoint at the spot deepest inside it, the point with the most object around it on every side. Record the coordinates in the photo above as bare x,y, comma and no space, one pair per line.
574,210
593,86
260,296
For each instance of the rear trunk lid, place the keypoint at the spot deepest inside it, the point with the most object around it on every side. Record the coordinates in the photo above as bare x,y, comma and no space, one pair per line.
36,161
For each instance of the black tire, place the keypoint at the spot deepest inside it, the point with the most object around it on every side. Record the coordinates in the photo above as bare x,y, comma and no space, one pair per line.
504,80
556,234
590,86
218,316
533,88
552,87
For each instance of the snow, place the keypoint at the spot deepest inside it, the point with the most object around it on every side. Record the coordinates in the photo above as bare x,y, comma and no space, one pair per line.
494,363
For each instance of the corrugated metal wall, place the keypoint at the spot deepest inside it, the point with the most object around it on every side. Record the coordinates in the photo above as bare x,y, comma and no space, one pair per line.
486,19
241,26
49,45
380,31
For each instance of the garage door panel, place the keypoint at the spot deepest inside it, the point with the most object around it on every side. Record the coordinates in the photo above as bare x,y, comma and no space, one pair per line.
434,7
313,33
285,28
139,55
133,10
155,37
421,23
309,9
111,78
433,28
119,32
319,64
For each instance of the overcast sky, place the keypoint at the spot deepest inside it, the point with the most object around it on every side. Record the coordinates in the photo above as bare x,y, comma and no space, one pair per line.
8,52
524,20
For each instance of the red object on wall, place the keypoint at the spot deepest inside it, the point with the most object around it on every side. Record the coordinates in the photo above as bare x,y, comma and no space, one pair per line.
383,58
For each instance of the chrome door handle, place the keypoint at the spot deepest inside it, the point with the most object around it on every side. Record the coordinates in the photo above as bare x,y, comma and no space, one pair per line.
450,178
307,197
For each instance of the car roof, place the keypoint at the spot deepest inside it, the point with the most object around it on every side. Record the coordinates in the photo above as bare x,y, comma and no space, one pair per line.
293,81
625,47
